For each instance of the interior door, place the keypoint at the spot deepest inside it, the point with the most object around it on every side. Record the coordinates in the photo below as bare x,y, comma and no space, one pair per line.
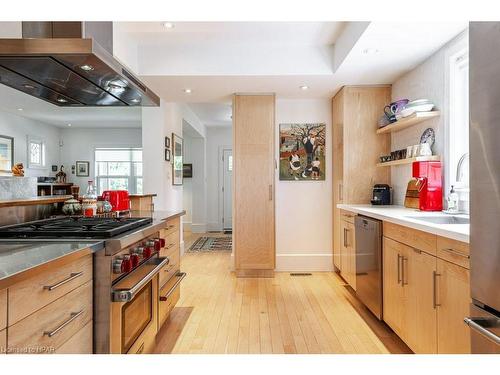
227,190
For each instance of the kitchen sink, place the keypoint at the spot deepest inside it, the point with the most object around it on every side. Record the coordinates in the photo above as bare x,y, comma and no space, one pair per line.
442,219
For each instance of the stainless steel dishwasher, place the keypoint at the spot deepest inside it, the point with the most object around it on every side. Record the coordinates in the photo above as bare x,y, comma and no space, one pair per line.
369,263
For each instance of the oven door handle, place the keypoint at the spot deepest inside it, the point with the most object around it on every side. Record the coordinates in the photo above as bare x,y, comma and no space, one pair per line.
125,295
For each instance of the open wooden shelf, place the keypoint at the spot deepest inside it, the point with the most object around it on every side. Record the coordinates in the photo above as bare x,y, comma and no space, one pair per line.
406,122
409,160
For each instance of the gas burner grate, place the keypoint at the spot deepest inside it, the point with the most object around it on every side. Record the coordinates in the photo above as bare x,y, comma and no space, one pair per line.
73,228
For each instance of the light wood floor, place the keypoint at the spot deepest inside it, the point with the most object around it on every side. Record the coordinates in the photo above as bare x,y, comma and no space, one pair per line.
219,313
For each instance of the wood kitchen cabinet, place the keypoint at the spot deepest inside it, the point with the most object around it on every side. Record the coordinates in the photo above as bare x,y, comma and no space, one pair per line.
453,301
253,197
348,253
356,150
425,298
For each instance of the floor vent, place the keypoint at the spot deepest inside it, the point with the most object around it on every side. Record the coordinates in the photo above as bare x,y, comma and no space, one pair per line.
300,274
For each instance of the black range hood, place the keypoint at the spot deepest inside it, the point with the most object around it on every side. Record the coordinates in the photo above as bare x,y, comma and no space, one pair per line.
71,64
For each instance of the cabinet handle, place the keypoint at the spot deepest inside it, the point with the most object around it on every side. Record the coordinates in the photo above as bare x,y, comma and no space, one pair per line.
345,237
399,268
58,329
170,245
270,192
180,276
170,226
456,252
434,289
403,259
62,282
341,193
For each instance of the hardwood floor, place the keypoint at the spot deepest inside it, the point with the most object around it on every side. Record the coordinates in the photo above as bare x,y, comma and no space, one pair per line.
219,313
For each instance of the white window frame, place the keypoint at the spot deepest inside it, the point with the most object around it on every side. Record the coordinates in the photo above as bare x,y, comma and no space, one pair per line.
454,152
43,151
132,179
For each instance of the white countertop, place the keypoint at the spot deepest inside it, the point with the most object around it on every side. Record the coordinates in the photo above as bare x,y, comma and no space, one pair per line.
399,215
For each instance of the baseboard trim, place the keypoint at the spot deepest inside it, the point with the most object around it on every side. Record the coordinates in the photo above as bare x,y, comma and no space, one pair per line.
199,228
304,262
186,225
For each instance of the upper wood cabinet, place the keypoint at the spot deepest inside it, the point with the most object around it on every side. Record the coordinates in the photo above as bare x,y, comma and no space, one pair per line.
253,184
356,150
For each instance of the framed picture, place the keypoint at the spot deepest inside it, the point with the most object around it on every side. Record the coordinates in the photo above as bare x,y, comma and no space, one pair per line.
6,153
82,168
167,142
302,152
177,149
54,168
167,154
187,170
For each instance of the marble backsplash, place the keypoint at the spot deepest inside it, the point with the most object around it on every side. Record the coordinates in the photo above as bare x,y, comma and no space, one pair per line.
17,187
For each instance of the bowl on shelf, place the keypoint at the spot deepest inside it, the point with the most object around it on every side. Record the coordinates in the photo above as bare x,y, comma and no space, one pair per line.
420,105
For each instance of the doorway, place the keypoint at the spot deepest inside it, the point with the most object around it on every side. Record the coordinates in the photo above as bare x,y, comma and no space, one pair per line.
227,190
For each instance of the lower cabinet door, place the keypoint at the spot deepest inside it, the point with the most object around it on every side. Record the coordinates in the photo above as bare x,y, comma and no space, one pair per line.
393,294
453,285
419,279
3,341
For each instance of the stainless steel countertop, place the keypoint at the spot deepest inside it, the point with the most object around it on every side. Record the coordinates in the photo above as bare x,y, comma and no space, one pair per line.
19,256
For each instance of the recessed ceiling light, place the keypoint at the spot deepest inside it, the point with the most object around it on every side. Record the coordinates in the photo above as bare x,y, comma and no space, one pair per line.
135,100
304,87
28,86
69,124
168,25
19,109
187,91
370,51
87,67
61,100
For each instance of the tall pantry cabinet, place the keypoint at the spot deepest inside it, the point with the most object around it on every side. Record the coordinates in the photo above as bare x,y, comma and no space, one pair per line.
356,151
253,185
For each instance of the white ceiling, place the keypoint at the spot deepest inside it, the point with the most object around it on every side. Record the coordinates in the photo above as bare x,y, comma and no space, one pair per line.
217,59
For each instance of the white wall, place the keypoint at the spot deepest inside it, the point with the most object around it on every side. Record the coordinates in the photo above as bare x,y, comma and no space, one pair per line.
428,80
304,208
217,138
20,128
79,144
187,188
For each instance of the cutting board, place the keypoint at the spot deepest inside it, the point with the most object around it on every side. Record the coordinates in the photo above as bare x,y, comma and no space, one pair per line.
412,195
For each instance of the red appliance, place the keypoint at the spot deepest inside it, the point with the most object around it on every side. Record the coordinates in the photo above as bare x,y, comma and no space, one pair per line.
429,184
119,199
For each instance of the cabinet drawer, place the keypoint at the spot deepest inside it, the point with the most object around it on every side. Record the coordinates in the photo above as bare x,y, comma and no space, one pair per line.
80,343
172,241
3,309
347,216
38,291
167,304
411,237
453,251
171,268
53,325
173,225
3,341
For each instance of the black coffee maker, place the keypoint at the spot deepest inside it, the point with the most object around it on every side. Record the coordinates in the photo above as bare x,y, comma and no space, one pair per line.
382,195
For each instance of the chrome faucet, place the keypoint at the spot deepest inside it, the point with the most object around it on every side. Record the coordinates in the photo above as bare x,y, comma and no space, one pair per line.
460,165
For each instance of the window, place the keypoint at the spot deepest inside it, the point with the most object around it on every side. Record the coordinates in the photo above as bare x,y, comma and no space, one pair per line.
458,127
118,169
36,153
458,142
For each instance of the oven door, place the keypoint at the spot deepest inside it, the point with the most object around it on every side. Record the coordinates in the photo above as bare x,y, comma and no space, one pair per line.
134,309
